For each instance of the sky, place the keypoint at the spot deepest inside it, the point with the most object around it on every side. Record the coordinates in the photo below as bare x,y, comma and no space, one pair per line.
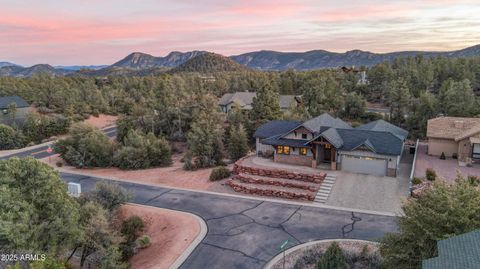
85,32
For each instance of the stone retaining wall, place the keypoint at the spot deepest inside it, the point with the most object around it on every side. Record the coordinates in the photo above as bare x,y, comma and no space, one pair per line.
269,192
273,182
238,168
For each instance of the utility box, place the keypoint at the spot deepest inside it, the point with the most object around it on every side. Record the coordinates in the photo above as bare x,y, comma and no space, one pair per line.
74,189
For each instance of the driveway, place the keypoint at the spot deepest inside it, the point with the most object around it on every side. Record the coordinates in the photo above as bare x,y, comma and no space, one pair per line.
367,192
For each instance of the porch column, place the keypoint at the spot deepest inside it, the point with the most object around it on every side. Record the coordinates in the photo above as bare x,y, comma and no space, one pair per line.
333,158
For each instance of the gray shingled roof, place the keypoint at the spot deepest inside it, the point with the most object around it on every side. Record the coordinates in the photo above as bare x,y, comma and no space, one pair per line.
277,140
7,100
383,126
274,128
324,120
245,99
458,252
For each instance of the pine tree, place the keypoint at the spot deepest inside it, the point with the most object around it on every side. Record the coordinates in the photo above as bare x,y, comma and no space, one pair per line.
237,142
265,106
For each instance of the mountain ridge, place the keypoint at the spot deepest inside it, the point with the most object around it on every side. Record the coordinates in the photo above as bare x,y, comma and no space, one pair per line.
138,63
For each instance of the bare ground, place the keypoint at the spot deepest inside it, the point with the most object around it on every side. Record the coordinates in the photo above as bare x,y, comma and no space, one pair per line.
171,232
101,121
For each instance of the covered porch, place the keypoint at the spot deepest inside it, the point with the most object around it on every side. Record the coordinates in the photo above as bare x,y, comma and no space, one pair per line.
324,154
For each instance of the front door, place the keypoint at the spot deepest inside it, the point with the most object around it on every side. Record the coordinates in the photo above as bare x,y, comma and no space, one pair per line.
327,154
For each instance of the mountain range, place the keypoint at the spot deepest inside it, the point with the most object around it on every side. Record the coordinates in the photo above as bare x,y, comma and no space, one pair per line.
138,63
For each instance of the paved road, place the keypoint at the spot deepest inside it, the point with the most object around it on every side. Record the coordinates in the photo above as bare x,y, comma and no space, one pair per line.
246,233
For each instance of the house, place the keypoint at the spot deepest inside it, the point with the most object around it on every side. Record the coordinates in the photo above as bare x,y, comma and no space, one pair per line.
373,148
244,100
9,117
455,137
458,252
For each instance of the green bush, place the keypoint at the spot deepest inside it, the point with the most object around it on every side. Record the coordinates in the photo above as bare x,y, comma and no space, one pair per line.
473,180
132,227
416,180
109,195
10,138
86,147
430,174
333,258
143,151
38,127
144,241
219,173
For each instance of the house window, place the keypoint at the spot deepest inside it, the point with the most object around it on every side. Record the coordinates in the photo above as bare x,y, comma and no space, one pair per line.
327,146
476,151
280,149
304,136
303,151
283,150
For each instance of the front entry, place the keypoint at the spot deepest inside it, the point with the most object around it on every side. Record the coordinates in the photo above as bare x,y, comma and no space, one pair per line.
327,155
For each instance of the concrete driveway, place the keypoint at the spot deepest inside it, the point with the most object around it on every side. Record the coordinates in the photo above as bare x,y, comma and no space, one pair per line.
367,192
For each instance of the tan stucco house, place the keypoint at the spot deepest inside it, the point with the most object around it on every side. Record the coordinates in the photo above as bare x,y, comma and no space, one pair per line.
455,137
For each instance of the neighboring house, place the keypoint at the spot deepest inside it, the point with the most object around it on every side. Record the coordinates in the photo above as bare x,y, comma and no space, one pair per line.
244,100
374,148
455,137
458,252
6,116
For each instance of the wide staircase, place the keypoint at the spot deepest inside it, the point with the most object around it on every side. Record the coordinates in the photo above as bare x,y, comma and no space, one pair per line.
276,183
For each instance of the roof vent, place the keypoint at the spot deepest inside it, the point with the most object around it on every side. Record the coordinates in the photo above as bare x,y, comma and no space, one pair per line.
458,124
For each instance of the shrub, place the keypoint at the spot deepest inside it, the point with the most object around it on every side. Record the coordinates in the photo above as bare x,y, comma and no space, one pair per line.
333,258
454,156
442,156
132,227
39,127
144,241
143,151
219,173
430,174
59,164
108,194
473,180
416,180
10,138
237,142
86,147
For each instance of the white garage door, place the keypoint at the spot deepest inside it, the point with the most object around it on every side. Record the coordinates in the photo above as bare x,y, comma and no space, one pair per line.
364,165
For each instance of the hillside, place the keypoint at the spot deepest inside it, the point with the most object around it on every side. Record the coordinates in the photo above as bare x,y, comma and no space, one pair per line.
210,63
18,71
138,60
3,64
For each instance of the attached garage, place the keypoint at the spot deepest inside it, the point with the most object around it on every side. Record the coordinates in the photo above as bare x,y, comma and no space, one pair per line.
364,165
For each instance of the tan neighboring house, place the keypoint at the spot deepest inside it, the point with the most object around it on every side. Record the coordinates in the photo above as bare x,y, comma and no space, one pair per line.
455,137
244,100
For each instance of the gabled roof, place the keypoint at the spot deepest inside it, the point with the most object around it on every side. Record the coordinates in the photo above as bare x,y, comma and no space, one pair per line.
383,126
324,120
278,140
458,252
379,142
7,100
286,101
450,127
274,128
332,136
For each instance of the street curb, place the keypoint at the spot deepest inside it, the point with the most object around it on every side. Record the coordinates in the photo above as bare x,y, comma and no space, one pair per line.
277,258
371,212
201,235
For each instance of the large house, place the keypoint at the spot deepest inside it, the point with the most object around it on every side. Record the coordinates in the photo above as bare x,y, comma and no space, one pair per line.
455,137
373,148
244,100
9,117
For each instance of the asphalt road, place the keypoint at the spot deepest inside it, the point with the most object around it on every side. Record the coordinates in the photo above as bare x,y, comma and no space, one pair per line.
245,233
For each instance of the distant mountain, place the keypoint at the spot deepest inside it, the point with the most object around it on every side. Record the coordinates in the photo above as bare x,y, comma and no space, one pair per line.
3,64
209,63
80,67
138,60
18,71
316,59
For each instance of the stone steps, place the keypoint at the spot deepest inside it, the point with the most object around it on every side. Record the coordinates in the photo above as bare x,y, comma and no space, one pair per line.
281,182
271,190
325,189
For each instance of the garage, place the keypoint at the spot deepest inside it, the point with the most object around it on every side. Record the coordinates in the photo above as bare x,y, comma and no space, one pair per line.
364,165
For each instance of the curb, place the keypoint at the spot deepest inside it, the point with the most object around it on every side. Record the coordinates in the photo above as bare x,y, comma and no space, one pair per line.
201,235
277,258
371,212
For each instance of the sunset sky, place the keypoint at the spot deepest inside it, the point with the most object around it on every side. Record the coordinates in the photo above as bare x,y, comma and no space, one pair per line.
84,32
